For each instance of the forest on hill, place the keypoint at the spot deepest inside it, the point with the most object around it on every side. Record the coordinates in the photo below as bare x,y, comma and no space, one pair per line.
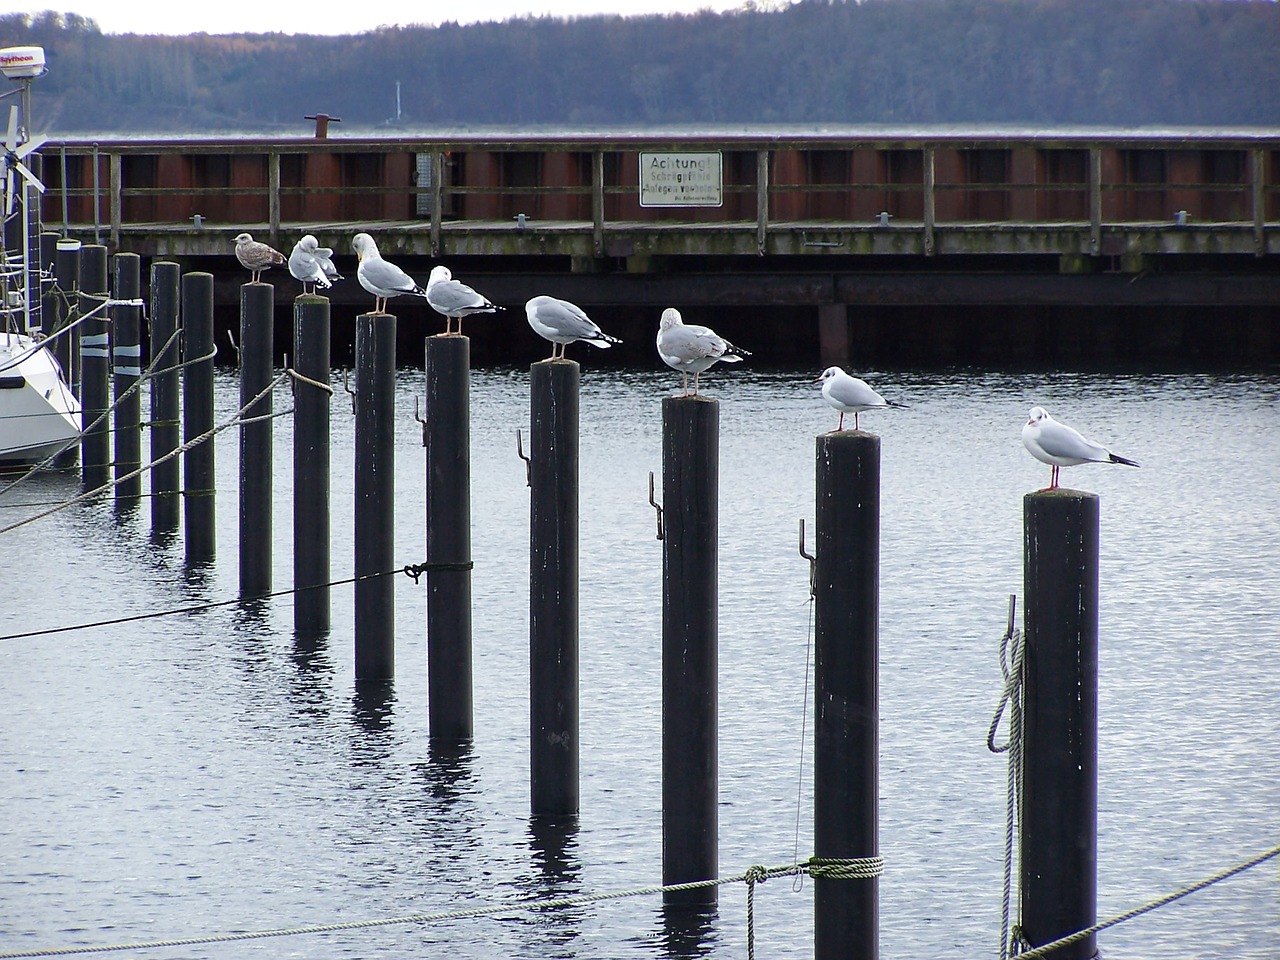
1116,63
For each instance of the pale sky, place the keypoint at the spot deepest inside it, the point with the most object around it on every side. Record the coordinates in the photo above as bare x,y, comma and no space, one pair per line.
336,16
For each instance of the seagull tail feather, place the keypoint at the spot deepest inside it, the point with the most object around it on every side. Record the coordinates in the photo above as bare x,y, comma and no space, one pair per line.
1116,459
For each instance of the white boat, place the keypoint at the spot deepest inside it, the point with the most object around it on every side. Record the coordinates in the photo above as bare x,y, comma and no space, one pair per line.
39,415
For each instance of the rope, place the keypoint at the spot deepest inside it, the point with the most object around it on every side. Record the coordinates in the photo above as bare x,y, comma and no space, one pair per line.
752,876
1148,907
804,721
200,607
234,420
305,379
1012,657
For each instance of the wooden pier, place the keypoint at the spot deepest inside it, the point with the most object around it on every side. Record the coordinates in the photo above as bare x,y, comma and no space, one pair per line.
820,222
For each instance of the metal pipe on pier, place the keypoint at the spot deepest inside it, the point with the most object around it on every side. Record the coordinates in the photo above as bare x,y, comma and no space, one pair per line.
311,408
197,416
375,496
690,746
553,588
256,365
164,429
90,271
1059,833
126,357
846,691
447,438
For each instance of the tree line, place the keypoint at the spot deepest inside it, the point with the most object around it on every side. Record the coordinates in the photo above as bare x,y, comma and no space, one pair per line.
834,62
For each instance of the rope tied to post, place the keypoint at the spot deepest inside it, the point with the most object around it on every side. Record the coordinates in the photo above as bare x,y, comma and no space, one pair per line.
850,868
1012,658
415,570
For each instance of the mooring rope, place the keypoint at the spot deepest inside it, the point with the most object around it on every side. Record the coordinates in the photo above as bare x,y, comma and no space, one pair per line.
234,420
1012,658
1041,950
751,876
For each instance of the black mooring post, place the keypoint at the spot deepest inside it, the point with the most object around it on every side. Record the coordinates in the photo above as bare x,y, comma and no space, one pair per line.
553,588
68,268
1059,836
90,270
164,430
126,370
690,779
311,409
257,302
197,416
846,691
375,496
447,437
44,289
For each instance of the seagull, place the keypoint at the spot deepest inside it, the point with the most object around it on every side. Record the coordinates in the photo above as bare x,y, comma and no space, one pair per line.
454,299
380,277
312,264
562,322
688,346
1058,445
256,257
851,395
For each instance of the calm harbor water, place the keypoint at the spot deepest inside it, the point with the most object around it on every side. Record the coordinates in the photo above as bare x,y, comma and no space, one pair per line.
208,773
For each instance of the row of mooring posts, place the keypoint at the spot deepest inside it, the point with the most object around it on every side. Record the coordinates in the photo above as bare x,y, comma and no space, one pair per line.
1058,815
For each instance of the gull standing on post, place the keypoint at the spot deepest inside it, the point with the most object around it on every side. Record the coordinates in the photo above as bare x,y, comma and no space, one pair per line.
1058,445
256,257
851,395
454,299
380,277
312,264
688,346
562,322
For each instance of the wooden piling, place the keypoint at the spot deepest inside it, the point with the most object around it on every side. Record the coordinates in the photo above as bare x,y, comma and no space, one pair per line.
67,268
126,370
88,265
256,368
447,438
311,409
1059,832
197,417
553,588
375,496
164,430
846,691
690,492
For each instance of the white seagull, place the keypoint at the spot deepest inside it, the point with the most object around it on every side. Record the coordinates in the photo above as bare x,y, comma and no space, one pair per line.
312,264
380,277
851,395
454,299
688,346
1058,445
256,257
562,322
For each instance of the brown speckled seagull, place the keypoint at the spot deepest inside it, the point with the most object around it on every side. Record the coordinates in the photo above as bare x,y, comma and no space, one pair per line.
256,257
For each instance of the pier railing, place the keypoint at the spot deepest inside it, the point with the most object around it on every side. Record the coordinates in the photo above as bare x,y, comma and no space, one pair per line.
605,197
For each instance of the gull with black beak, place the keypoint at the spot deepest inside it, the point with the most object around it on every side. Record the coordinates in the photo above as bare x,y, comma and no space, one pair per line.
381,277
850,395
1058,445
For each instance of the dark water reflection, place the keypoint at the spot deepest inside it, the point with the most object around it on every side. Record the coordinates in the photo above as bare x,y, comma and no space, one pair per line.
218,771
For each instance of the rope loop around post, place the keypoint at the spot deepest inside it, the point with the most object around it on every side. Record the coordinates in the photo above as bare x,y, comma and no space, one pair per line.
852,868
415,570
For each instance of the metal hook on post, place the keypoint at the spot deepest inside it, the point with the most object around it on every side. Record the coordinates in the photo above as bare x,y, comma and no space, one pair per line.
236,347
813,563
656,506
346,385
528,463
421,419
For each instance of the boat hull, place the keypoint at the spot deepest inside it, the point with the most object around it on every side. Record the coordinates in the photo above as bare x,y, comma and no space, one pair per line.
39,415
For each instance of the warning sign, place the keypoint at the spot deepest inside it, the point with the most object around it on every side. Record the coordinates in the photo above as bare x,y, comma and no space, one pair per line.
681,180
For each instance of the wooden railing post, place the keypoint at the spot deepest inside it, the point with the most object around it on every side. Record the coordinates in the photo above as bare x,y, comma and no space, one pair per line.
1095,200
273,195
762,199
597,202
437,199
114,185
1258,174
929,197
